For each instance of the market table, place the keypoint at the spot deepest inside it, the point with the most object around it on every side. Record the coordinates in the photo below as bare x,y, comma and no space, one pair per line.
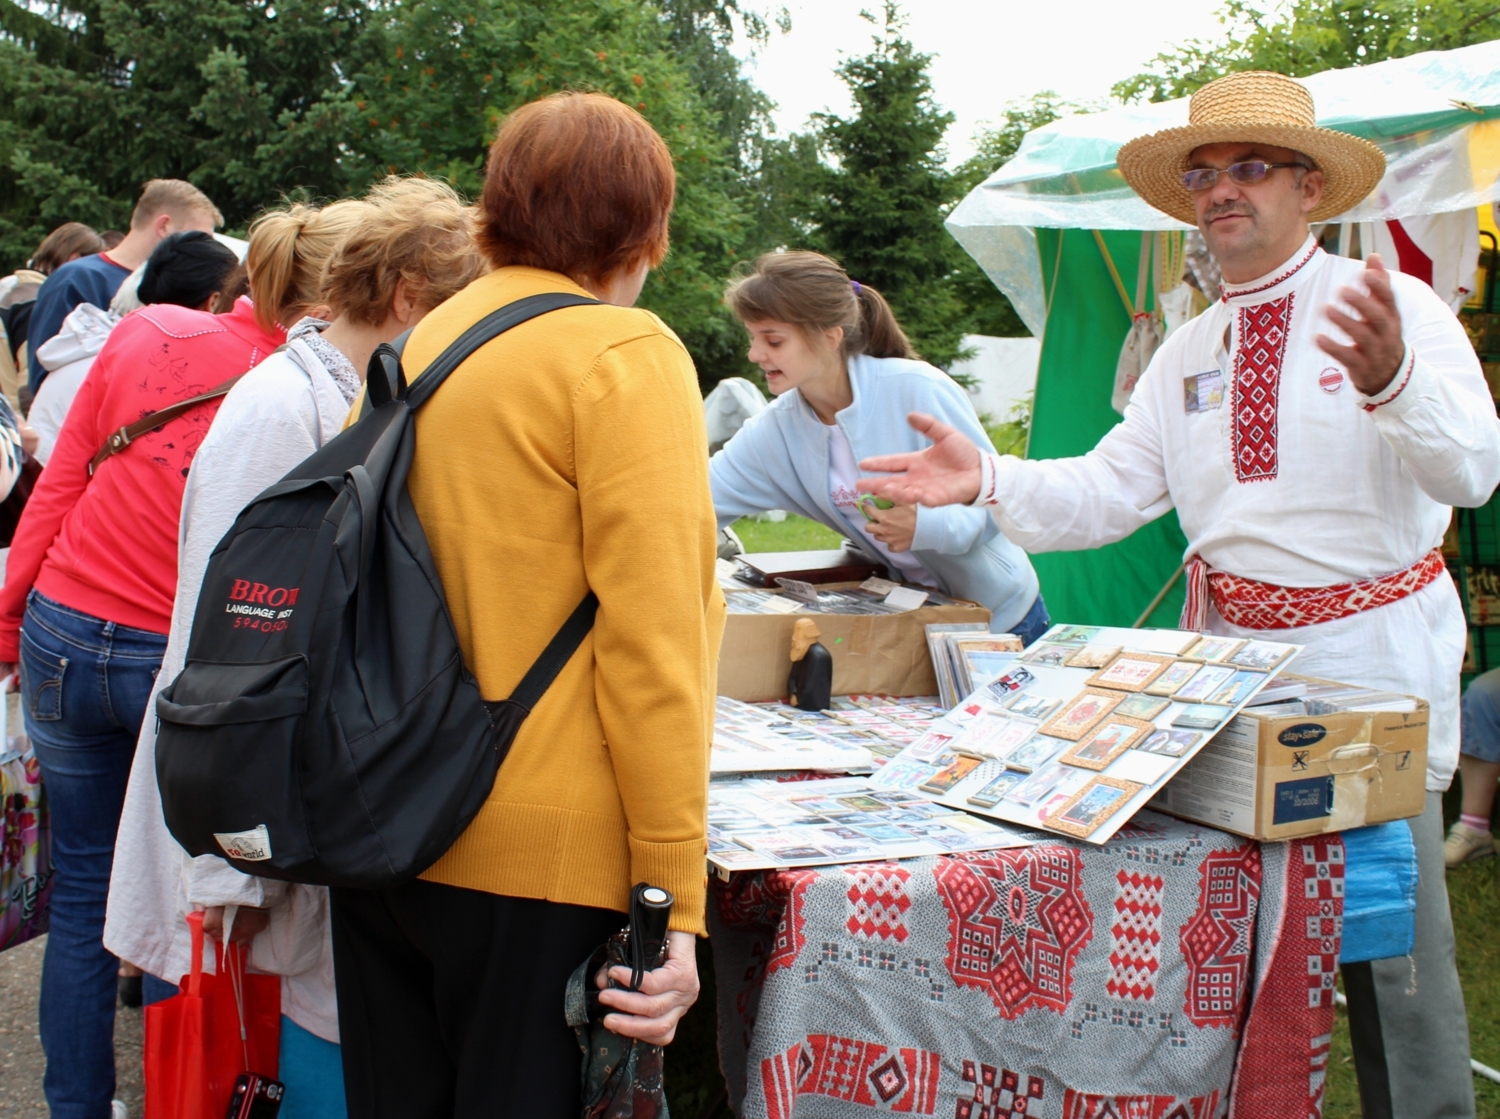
1175,972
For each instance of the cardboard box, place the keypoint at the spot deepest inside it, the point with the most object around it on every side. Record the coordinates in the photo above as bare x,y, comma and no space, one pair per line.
1295,775
873,654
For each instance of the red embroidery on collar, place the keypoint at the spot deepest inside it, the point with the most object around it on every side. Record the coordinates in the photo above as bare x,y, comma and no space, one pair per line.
1257,387
1226,294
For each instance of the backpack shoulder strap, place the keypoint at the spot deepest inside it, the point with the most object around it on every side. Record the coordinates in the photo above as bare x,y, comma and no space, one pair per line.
379,386
554,657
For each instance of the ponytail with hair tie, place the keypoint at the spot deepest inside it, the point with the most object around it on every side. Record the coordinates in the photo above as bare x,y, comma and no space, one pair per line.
811,291
289,253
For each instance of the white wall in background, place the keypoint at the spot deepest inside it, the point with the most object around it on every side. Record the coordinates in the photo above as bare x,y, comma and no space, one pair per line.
1005,369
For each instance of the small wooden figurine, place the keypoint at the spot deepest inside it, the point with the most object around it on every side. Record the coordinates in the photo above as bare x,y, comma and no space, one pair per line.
811,681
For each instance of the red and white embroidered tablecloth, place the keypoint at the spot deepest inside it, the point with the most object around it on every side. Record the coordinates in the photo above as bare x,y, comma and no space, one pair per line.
1174,973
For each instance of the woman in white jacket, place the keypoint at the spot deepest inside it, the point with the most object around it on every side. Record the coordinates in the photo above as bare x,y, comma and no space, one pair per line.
411,249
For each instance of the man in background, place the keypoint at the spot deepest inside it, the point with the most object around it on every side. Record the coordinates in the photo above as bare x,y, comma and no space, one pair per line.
166,206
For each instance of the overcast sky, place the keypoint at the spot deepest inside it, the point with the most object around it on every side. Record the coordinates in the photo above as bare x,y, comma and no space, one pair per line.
987,52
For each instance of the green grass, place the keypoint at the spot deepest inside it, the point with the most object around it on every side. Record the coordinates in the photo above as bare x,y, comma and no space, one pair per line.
1474,895
795,534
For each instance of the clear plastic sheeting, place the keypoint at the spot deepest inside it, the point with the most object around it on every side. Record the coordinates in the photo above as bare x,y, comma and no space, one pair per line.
1435,115
1008,254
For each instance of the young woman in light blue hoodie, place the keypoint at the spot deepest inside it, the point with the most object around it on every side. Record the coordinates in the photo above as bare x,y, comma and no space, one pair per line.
845,378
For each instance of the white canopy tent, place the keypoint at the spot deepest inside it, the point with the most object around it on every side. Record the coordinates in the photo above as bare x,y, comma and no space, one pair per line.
1434,115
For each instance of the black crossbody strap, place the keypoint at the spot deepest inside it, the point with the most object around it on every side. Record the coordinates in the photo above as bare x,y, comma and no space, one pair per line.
486,330
387,378
508,713
556,655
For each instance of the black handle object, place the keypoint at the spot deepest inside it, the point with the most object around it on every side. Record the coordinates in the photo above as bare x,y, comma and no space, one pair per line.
646,936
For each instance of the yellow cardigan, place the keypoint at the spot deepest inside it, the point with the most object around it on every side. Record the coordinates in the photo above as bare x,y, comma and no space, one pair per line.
569,454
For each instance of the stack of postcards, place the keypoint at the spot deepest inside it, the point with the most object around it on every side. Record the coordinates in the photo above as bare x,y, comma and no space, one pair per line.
965,655
856,734
762,738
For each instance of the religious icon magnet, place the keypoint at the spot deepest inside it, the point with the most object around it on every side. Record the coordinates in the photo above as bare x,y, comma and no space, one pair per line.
1081,714
1093,656
1114,736
1142,706
1082,814
1173,678
1213,648
1131,672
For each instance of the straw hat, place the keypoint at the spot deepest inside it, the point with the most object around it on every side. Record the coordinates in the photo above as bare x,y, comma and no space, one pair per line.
1251,107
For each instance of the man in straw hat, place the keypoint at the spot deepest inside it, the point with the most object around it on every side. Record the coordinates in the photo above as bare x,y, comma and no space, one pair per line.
1312,429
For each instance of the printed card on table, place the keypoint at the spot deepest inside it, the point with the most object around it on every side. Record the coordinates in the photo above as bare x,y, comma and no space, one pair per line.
1131,672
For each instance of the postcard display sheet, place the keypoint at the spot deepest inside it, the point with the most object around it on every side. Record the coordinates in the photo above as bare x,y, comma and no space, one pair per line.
761,825
759,738
1085,727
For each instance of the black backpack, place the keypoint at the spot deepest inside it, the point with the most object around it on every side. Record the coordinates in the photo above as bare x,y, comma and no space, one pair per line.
325,729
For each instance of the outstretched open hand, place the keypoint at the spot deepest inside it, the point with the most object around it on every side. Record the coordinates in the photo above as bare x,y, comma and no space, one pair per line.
1374,358
946,473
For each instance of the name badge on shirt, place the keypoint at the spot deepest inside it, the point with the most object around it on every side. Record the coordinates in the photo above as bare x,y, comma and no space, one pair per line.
1203,392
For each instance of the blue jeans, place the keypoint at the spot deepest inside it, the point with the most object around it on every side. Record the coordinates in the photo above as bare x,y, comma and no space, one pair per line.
1036,622
1480,711
84,683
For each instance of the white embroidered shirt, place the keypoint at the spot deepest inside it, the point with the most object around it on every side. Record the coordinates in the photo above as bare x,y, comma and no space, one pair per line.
1281,471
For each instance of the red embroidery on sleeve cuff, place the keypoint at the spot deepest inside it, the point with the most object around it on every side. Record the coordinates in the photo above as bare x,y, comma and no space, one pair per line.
1411,364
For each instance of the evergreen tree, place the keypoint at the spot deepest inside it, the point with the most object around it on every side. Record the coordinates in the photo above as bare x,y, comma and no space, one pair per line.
880,208
436,78
253,99
1307,36
242,97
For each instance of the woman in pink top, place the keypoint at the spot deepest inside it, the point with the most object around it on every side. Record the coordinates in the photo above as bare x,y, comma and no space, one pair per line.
87,604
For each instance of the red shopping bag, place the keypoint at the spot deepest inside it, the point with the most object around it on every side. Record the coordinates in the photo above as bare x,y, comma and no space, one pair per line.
201,1039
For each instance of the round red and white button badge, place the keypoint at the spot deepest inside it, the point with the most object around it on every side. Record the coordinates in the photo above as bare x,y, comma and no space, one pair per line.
1331,380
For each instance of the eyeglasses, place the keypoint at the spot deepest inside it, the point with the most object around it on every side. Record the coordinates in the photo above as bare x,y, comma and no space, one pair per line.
1250,171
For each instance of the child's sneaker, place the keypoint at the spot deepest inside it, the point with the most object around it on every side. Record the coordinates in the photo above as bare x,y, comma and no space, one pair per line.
1465,844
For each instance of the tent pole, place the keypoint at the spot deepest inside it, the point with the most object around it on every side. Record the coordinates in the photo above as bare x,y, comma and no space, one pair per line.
1161,594
1114,274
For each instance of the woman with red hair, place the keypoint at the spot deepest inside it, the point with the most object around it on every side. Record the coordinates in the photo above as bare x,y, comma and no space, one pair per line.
563,457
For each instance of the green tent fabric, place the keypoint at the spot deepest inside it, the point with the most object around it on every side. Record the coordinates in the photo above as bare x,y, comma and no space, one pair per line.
1086,326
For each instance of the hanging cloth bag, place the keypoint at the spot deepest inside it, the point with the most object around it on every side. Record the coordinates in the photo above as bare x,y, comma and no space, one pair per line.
1144,337
199,1041
25,839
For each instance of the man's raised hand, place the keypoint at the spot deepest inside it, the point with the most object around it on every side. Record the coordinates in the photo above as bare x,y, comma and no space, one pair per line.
946,473
1374,358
